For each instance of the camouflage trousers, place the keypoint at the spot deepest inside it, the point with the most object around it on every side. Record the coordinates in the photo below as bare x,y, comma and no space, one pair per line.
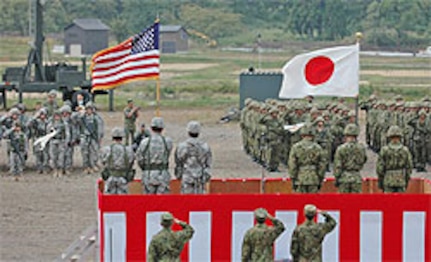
192,188
307,189
16,166
89,152
156,182
116,185
394,189
129,133
420,153
56,153
68,157
41,158
350,188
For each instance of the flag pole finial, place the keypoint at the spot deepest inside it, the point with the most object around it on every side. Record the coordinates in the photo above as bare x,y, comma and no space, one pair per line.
358,36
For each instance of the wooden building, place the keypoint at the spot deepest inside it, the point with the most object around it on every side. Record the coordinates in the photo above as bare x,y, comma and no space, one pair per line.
173,38
85,37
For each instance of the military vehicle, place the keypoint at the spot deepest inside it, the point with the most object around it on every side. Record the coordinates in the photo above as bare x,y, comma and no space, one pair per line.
35,77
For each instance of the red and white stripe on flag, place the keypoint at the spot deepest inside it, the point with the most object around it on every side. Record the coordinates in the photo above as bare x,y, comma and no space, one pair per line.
117,65
325,72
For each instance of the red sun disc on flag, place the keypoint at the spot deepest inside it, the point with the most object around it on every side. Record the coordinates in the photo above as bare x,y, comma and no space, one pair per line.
318,70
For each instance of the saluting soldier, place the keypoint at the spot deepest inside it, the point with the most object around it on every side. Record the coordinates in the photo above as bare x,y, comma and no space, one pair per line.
307,238
167,245
259,240
131,113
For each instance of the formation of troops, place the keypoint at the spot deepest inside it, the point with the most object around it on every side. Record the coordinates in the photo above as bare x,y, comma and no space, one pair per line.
311,139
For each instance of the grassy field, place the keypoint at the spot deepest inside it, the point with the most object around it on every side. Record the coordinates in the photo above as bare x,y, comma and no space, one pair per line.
210,77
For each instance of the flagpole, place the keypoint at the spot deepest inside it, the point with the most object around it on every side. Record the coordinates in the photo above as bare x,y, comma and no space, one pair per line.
158,97
358,39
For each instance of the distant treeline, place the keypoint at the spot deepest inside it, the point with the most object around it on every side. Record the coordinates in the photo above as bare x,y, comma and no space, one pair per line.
402,24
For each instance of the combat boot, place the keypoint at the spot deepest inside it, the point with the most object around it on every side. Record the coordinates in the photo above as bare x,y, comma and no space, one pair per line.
54,173
87,170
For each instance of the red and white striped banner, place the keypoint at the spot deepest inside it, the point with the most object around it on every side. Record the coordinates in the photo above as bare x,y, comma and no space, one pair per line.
371,227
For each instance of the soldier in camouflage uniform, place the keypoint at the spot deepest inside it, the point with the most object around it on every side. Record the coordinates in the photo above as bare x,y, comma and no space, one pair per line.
349,159
58,143
51,103
258,241
193,160
71,126
307,163
140,135
394,163
307,238
131,113
39,128
323,137
167,245
153,158
89,138
117,160
18,150
422,128
273,139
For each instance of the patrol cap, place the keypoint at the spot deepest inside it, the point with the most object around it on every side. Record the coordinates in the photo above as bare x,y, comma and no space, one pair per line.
194,127
260,213
166,217
394,131
310,210
157,122
52,93
117,132
351,130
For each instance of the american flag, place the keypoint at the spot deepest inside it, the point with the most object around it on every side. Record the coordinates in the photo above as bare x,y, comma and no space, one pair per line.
137,58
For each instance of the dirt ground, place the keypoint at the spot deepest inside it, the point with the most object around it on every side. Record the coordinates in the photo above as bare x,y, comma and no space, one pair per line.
42,216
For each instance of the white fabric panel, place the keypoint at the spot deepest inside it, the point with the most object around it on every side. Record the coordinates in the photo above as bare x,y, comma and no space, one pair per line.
371,236
282,244
200,244
414,236
152,227
331,243
114,236
241,222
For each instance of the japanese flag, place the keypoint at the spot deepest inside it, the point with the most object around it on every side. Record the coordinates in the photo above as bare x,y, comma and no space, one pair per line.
325,72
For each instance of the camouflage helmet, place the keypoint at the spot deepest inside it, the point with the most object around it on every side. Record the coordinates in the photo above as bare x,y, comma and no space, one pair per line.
351,114
21,107
426,99
14,111
314,110
166,217
157,122
351,130
260,213
65,109
68,103
52,93
57,112
89,105
194,127
422,112
130,100
42,111
247,101
310,210
307,130
398,97
273,110
117,132
319,119
395,131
